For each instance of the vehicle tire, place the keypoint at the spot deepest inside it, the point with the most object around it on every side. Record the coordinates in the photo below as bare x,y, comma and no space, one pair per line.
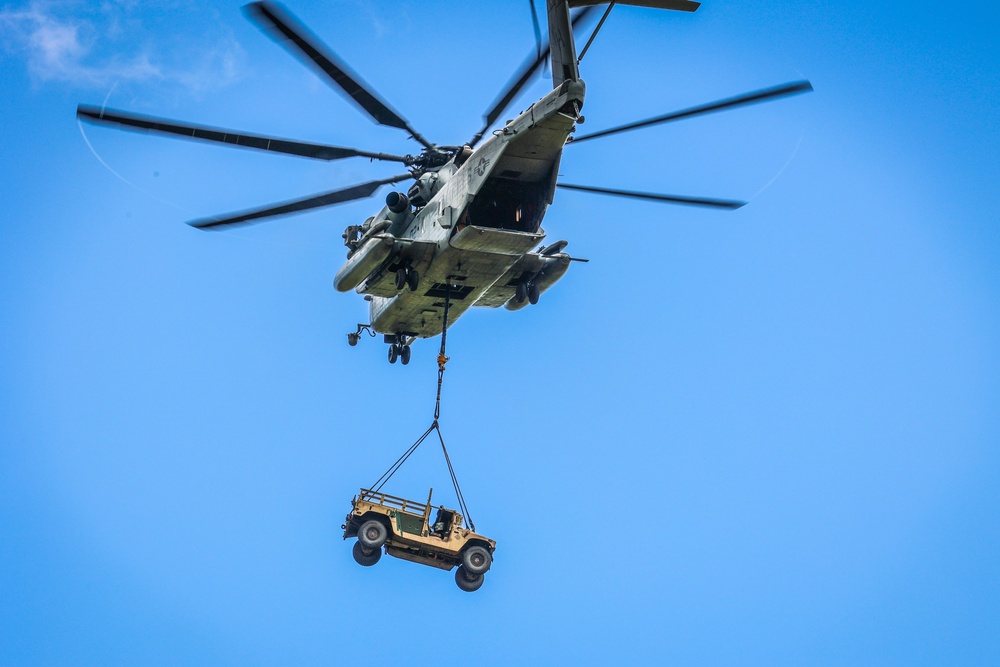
372,534
393,353
521,292
404,354
468,582
401,278
533,293
477,560
412,280
366,559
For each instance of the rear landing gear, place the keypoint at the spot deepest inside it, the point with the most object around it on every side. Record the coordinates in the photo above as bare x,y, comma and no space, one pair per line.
407,276
527,289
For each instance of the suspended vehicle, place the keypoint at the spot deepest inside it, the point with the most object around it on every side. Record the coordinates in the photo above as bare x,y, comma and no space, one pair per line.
469,223
405,530
404,527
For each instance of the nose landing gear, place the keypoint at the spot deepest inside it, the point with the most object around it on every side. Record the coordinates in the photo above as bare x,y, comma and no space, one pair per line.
399,348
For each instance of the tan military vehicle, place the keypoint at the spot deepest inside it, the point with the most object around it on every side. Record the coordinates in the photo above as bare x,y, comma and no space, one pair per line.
405,529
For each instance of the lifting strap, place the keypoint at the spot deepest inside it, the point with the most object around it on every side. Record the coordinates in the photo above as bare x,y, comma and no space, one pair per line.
442,360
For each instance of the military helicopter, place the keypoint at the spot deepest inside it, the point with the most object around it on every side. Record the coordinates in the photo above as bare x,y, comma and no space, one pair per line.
467,231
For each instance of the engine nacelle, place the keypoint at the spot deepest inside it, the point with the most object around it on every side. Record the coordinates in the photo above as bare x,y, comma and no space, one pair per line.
397,211
397,202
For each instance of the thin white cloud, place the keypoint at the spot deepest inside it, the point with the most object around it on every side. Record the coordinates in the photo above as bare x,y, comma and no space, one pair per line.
95,46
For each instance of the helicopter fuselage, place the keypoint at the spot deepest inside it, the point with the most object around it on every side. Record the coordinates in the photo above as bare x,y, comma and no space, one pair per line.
473,238
465,233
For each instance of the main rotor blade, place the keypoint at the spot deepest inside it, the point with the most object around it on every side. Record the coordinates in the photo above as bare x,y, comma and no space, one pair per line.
729,103
130,121
670,199
538,30
520,78
359,191
291,34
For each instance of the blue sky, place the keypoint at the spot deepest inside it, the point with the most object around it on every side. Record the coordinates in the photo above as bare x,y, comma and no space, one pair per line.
757,437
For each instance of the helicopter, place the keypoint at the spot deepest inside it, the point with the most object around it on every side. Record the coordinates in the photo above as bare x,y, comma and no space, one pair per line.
467,231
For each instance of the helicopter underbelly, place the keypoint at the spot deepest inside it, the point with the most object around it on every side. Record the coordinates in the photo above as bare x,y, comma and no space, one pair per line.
474,260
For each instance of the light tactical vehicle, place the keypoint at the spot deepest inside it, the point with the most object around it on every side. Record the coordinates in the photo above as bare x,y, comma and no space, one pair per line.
404,528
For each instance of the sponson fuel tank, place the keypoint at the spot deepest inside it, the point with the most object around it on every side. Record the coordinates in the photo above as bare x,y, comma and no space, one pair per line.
364,260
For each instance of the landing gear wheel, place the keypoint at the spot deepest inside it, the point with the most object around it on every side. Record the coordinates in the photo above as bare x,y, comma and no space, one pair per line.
521,293
468,582
393,353
404,354
372,534
533,293
366,559
476,560
401,278
412,280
